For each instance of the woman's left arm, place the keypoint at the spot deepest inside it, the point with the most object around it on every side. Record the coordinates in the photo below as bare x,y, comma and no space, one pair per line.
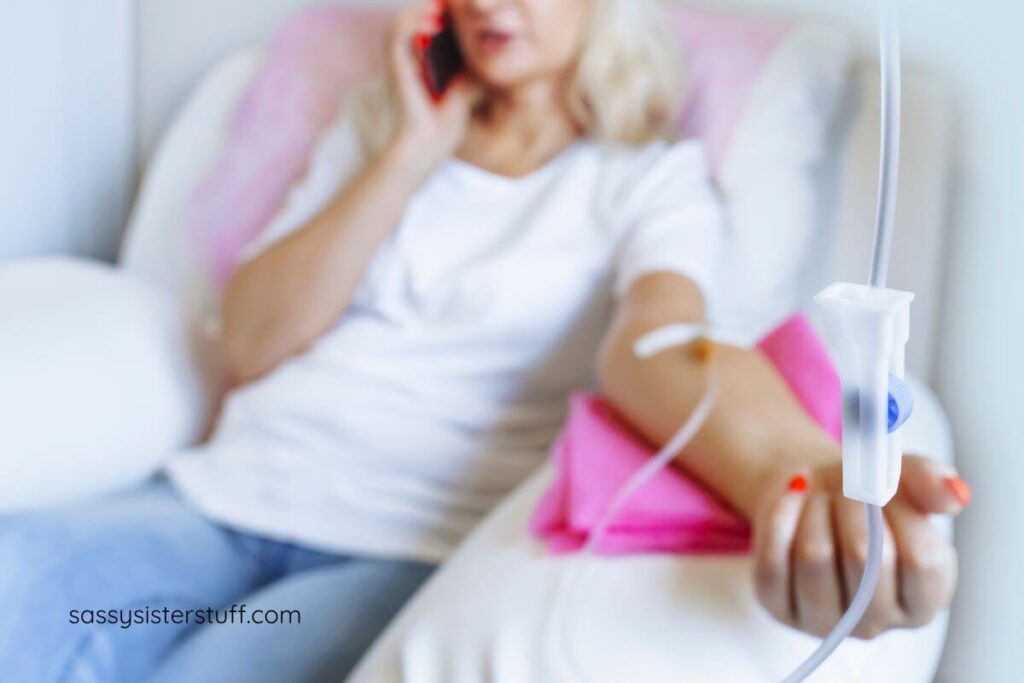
765,456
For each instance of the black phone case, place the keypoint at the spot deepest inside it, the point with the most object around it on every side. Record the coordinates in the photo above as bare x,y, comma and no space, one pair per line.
443,59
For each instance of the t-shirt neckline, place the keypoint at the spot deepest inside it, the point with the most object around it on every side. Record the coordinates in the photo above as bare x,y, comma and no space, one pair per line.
469,169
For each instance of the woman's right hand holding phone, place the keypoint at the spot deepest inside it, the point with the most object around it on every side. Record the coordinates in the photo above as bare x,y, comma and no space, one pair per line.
428,132
280,302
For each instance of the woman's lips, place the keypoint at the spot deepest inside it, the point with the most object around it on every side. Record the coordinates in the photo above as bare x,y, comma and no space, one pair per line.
491,42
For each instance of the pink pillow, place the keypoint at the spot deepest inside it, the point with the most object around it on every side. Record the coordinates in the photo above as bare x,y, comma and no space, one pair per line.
725,56
597,453
311,63
315,58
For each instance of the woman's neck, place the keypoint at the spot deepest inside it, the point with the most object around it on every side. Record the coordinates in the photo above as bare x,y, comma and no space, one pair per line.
519,129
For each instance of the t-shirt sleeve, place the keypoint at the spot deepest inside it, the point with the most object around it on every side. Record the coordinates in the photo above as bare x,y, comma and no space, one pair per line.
337,157
672,218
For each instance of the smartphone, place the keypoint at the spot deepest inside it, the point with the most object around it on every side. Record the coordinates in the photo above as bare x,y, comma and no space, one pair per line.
441,58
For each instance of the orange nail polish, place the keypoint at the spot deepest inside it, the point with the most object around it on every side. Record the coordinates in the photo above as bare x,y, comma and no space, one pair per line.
798,484
959,488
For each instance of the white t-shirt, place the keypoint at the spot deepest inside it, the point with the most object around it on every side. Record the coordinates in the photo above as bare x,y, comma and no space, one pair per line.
444,384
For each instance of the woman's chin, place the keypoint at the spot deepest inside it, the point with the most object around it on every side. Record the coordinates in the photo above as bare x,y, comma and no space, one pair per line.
503,73
503,80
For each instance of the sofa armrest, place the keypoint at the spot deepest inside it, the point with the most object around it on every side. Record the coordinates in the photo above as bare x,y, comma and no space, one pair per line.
97,383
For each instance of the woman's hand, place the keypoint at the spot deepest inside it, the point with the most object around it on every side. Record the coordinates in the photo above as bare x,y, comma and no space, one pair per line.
810,546
429,131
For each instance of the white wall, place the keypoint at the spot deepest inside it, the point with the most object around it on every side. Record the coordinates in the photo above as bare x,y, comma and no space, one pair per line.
169,72
982,366
66,116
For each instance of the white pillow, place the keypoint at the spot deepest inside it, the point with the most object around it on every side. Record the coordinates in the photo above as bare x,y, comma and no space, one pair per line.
774,180
97,382
486,616
156,246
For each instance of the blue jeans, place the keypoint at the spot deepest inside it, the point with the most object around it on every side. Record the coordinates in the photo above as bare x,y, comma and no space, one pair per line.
136,554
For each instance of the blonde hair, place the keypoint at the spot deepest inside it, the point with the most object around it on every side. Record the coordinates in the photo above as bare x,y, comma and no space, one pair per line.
625,86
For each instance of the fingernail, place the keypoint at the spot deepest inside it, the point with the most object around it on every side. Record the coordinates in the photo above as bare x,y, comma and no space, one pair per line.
798,484
959,488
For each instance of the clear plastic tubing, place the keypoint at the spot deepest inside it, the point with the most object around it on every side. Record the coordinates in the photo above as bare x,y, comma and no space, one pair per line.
858,606
579,571
888,177
889,166
651,468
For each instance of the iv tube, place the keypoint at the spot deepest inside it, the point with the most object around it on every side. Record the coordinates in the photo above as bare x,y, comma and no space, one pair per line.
889,166
579,571
858,606
888,176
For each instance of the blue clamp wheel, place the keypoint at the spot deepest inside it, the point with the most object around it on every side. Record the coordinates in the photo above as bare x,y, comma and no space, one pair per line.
901,403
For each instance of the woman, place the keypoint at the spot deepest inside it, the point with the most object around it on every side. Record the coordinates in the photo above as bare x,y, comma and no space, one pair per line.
405,336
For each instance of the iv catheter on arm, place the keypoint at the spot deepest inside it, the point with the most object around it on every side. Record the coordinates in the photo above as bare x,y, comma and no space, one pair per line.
868,328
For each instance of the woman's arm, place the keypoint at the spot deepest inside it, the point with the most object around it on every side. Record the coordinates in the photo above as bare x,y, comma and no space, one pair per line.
756,425
289,295
761,453
285,298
